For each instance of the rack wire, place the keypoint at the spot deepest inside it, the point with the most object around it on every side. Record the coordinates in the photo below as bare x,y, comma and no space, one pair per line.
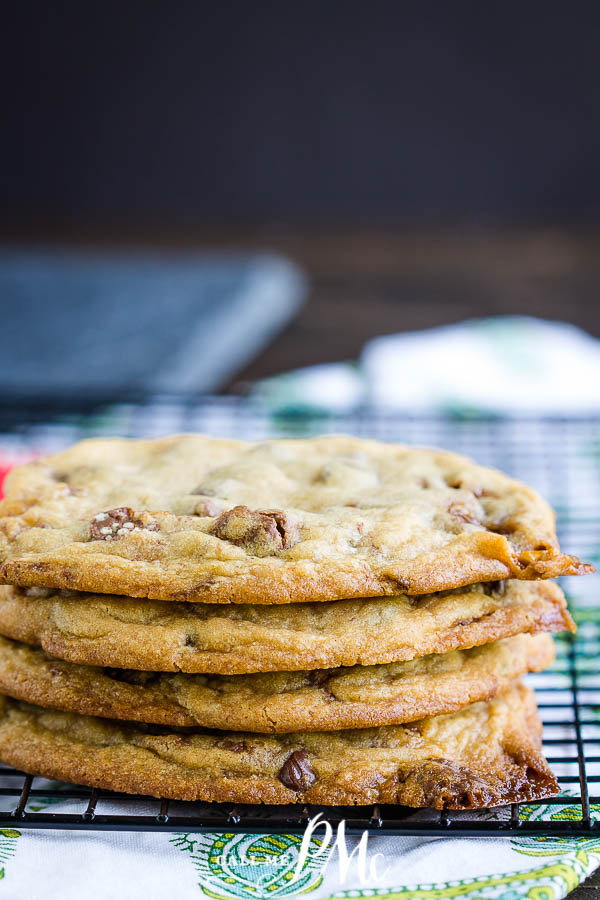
559,456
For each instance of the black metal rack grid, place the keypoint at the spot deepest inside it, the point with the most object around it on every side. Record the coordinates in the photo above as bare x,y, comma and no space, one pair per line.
561,457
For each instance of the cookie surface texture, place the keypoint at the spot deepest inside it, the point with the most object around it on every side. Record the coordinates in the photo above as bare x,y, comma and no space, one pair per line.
278,702
425,764
130,633
219,521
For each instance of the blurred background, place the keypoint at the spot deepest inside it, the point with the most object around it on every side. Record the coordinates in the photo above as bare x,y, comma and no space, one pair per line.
198,197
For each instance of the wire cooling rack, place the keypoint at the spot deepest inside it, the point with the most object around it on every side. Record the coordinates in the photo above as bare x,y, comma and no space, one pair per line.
560,457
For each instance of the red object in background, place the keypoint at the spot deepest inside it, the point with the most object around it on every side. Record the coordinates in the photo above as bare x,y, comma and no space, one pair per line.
9,461
4,470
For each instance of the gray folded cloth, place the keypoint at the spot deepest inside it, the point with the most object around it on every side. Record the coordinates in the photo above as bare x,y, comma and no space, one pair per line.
106,322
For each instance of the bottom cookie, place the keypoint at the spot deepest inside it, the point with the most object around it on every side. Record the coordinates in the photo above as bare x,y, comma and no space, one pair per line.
487,754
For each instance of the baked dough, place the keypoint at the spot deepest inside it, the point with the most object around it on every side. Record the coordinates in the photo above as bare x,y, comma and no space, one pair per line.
130,633
218,521
276,702
487,754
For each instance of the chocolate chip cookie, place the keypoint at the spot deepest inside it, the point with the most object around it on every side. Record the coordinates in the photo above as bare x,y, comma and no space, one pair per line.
125,632
219,521
424,764
277,702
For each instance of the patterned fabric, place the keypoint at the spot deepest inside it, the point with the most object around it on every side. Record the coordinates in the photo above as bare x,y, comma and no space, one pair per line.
562,459
229,866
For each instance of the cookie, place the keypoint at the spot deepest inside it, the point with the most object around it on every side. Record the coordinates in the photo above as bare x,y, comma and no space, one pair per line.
218,521
130,633
278,702
429,763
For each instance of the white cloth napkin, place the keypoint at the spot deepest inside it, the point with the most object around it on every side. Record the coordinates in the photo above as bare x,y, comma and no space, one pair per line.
512,365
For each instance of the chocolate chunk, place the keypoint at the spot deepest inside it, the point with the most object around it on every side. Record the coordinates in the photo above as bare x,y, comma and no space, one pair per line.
260,533
288,527
116,523
296,772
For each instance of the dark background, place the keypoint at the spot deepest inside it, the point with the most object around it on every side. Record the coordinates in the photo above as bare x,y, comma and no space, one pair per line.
338,112
423,162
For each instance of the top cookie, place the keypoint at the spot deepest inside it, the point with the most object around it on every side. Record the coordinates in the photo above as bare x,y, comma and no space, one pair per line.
201,519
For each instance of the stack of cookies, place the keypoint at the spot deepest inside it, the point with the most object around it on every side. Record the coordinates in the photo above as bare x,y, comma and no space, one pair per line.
333,621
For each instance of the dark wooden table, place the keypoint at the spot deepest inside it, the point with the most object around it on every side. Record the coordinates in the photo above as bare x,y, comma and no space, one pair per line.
589,890
376,282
